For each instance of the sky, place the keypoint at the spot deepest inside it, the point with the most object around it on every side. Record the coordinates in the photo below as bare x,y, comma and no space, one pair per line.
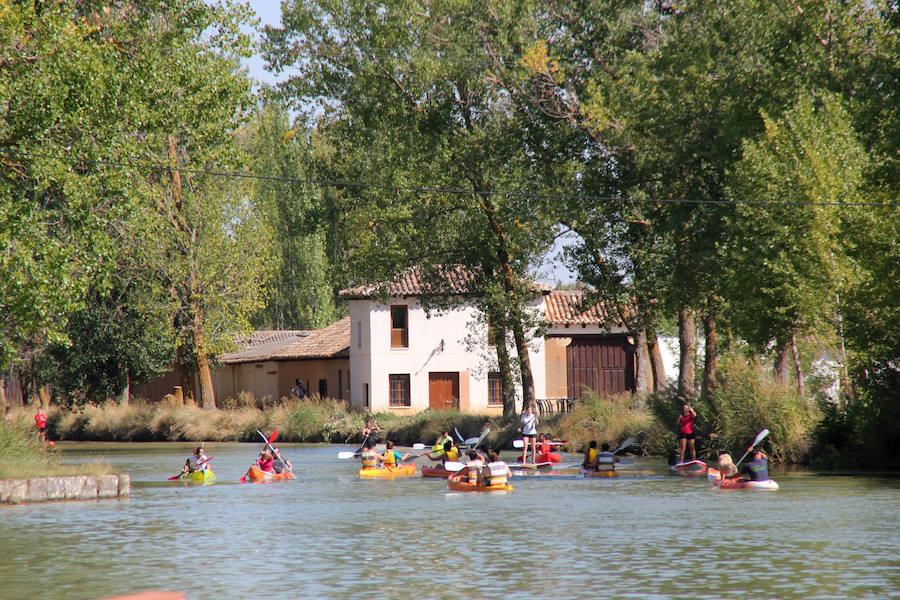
269,13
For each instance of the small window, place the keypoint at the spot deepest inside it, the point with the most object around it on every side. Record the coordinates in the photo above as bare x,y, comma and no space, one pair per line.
495,390
323,388
399,393
399,327
359,334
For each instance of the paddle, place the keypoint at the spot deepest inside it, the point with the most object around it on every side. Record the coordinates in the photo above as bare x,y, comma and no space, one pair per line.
348,454
199,463
480,438
452,465
268,445
759,437
624,445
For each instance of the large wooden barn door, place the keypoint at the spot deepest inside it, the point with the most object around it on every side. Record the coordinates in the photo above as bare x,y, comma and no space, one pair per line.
603,365
443,391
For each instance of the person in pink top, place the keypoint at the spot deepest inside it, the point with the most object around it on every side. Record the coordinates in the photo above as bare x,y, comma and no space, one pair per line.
686,432
266,462
40,421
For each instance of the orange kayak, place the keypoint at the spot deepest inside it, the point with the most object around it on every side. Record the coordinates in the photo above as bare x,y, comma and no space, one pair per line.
389,472
592,473
257,475
464,486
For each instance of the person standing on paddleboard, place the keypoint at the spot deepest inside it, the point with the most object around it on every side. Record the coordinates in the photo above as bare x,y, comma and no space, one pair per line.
529,433
686,432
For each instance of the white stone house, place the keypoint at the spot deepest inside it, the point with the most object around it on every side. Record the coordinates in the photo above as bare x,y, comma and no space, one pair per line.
404,360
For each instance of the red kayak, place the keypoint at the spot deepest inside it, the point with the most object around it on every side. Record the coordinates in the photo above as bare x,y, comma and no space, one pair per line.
544,457
436,472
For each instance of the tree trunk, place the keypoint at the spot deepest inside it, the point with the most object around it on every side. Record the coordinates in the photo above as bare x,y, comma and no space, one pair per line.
657,365
3,402
524,364
643,373
798,372
125,389
711,352
782,371
207,392
508,388
687,341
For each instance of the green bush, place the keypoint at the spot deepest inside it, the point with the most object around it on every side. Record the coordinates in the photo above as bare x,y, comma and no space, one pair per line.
609,419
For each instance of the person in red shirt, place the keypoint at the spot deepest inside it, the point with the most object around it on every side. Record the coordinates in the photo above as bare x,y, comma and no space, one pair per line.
266,462
40,421
686,432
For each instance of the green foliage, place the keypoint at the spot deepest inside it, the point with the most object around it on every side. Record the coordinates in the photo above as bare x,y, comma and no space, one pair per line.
608,419
23,456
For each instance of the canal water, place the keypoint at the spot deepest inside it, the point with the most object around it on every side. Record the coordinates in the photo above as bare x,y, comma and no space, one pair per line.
329,534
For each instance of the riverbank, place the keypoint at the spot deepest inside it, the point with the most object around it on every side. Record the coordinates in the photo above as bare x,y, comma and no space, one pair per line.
76,487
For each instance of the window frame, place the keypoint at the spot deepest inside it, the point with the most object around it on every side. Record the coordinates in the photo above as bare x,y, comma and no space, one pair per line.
400,335
494,381
403,380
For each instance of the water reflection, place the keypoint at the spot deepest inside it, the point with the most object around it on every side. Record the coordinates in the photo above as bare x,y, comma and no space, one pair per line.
329,534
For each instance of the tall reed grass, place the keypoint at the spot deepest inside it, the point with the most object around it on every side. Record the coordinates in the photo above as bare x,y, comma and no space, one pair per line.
609,419
23,456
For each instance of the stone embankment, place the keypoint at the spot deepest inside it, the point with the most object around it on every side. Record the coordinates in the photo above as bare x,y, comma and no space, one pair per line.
77,487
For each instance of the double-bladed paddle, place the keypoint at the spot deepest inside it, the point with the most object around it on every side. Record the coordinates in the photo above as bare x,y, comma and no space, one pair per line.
268,445
199,463
759,437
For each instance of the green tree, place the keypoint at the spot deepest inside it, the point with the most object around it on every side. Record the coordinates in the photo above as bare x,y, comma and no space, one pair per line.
787,255
402,93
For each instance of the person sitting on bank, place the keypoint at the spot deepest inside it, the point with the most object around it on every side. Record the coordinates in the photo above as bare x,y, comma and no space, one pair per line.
590,457
266,462
391,458
757,469
369,457
495,473
449,453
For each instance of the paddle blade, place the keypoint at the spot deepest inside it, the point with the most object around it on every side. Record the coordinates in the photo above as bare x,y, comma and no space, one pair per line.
343,455
518,444
175,477
459,435
451,465
274,436
418,446
761,436
624,445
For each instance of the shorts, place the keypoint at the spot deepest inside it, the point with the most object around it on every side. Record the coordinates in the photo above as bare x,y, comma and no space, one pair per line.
529,435
687,436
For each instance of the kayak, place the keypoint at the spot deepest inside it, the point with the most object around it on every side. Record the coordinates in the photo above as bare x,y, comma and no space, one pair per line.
206,476
592,473
464,486
257,475
543,465
436,472
739,484
389,472
691,465
543,457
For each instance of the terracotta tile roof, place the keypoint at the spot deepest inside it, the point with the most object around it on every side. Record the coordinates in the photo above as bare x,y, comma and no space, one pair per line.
459,280
565,307
331,342
409,283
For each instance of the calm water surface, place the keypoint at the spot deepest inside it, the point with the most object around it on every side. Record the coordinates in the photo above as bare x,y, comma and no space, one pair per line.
331,535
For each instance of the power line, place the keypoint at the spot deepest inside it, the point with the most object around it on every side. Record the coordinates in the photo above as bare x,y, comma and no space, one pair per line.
428,189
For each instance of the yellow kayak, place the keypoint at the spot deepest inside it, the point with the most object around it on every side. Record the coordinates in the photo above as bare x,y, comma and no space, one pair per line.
206,476
389,472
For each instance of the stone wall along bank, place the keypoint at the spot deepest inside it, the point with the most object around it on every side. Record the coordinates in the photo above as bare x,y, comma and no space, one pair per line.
77,487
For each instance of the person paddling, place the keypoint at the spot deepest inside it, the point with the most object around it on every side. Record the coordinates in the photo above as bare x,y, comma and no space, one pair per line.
496,472
726,466
198,461
449,453
606,460
279,462
441,442
391,458
266,462
368,456
474,465
590,457
757,469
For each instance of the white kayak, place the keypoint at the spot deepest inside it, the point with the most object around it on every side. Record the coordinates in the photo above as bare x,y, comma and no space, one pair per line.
739,484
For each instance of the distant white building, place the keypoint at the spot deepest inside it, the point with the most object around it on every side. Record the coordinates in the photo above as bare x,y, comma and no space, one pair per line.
405,360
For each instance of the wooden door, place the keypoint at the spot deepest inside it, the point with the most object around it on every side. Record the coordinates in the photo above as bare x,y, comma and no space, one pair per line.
443,391
599,364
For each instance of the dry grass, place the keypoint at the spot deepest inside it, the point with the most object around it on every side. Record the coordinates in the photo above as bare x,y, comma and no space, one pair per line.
609,419
23,456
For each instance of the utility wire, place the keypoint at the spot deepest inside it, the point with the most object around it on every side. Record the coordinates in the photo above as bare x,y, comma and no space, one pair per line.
427,189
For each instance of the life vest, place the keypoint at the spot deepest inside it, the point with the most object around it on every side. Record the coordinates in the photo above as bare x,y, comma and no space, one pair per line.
498,472
592,454
369,459
545,448
390,458
474,466
606,461
453,455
